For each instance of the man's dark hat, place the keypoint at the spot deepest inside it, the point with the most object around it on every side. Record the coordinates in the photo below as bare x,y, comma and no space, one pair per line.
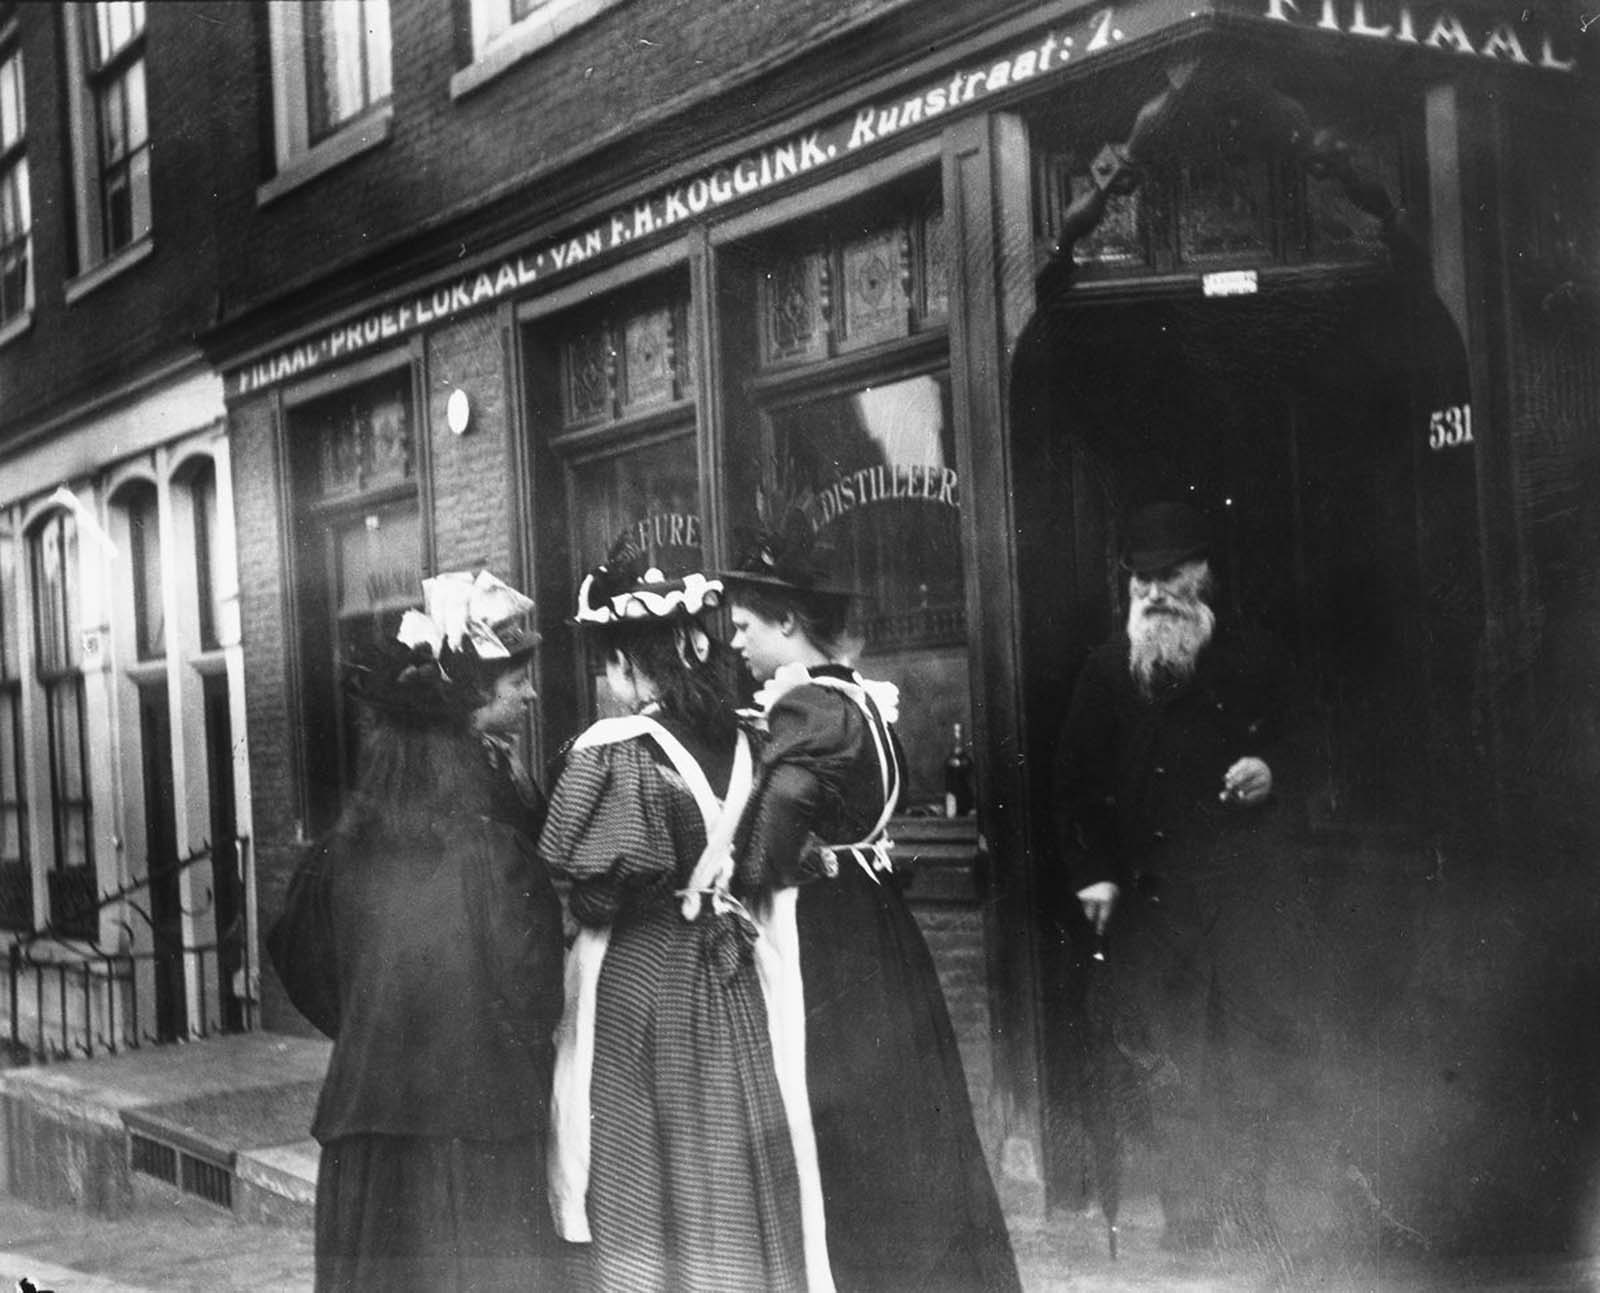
1163,535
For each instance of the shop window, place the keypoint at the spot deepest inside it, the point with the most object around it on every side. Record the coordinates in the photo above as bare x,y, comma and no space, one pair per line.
617,379
16,878
846,389
506,31
16,210
331,85
144,560
111,129
54,559
359,548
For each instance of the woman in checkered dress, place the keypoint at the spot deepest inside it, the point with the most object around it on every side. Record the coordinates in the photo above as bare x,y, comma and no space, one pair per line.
672,1157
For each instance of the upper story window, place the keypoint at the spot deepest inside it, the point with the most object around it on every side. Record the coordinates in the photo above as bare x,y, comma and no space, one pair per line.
116,75
202,485
506,31
331,83
16,212
110,123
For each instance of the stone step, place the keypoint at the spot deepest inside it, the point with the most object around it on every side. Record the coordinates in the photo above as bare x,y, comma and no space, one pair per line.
223,1121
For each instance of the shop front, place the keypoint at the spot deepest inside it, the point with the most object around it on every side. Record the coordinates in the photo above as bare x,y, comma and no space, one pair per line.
830,313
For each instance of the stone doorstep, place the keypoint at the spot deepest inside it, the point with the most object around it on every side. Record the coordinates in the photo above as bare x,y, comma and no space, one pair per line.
288,1171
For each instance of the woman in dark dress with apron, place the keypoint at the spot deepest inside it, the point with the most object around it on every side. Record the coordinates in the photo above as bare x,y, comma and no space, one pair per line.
908,1199
423,936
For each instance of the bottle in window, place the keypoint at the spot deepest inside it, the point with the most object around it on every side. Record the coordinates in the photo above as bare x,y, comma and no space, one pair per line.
958,781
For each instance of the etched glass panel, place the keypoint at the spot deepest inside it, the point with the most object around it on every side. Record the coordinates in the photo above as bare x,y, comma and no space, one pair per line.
1224,209
936,265
875,307
586,361
791,308
379,558
1338,228
653,493
647,354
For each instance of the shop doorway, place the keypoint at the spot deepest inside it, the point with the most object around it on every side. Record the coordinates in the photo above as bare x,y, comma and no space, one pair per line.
1297,419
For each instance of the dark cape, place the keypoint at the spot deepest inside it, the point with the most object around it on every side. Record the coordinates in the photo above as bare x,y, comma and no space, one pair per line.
434,964
909,1199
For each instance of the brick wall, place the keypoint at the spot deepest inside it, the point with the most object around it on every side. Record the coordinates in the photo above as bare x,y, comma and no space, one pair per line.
274,801
194,54
472,486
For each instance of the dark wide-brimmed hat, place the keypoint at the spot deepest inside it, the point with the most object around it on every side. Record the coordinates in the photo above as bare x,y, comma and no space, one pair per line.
1163,535
766,564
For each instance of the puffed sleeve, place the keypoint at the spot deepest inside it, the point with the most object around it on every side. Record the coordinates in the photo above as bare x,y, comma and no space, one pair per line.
610,828
813,736
302,941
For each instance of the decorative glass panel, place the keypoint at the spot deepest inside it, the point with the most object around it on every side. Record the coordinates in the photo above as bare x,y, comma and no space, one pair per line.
587,365
873,289
647,359
1338,228
379,559
791,309
390,449
1225,209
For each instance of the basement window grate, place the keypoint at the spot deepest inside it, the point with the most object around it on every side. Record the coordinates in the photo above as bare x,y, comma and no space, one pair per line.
207,1181
154,1159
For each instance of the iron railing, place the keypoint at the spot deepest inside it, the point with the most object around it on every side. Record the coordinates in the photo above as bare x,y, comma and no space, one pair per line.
85,999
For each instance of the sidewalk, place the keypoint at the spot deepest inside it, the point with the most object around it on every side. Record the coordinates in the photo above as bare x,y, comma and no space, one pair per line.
242,1105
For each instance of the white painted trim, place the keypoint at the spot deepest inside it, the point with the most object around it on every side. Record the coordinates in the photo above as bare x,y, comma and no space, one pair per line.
359,135
539,30
18,326
106,270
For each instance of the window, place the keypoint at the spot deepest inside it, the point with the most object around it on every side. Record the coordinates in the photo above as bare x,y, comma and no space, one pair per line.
55,597
506,31
16,884
116,73
144,559
331,83
16,212
202,485
358,552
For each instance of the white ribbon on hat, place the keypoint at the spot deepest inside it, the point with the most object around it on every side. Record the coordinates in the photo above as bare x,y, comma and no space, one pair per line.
460,606
642,603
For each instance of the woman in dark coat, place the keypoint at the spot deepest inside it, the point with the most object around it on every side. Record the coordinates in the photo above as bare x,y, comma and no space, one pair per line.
674,1159
909,1201
424,937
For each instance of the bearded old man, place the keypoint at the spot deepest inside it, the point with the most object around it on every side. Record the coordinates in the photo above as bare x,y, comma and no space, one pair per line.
1165,781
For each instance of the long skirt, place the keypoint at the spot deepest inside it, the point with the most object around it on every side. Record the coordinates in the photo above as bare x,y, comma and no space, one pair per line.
427,1213
909,1200
692,1180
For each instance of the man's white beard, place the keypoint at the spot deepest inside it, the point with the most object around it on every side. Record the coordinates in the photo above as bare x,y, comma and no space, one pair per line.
1165,646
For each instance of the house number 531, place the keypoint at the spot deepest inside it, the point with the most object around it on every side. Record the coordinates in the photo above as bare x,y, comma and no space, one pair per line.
1449,427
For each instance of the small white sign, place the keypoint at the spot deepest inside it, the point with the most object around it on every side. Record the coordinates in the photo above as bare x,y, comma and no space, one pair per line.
1229,282
458,411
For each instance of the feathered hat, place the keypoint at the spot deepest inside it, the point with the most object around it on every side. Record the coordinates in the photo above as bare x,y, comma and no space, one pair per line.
786,551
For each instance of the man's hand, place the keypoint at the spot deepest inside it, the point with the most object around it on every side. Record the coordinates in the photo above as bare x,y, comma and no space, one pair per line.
1248,782
1098,900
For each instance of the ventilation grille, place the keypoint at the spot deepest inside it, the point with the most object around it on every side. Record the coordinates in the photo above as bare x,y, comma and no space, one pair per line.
193,1175
154,1159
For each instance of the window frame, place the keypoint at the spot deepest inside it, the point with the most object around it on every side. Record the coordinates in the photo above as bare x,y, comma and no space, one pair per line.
298,157
14,162
13,789
95,263
493,54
